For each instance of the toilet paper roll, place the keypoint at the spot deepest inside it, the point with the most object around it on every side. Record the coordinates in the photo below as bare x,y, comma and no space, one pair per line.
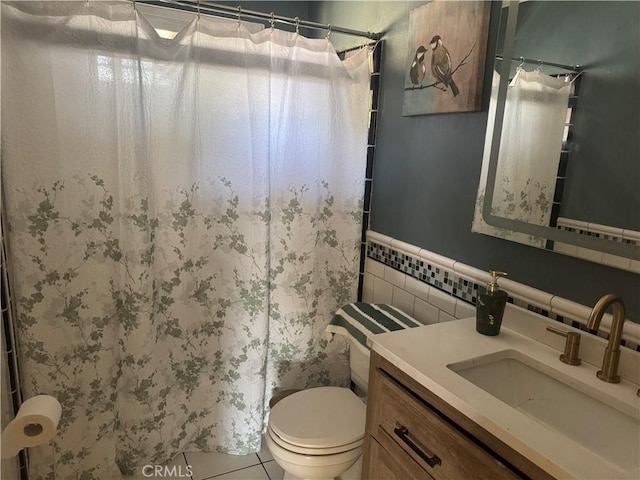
35,424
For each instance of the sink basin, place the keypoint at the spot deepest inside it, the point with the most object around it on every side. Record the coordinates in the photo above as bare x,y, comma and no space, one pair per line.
606,426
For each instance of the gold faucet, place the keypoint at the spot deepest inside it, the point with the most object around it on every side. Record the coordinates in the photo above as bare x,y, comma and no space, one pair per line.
609,372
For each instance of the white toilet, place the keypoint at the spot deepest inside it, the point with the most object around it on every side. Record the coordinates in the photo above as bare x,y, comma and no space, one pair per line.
319,433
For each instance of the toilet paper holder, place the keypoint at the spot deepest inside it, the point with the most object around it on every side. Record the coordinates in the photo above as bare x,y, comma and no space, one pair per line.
35,424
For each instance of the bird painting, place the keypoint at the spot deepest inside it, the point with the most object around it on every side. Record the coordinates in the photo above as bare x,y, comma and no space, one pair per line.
441,64
453,37
418,69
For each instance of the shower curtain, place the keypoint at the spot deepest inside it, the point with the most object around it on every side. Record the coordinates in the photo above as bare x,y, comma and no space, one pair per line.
530,145
185,217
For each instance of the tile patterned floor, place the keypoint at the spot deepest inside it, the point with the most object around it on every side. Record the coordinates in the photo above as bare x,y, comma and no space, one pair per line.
205,466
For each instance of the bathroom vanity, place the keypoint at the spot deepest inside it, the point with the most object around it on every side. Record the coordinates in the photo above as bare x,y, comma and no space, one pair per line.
411,433
448,403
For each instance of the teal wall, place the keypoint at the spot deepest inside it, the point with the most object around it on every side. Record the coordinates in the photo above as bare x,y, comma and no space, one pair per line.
427,170
604,165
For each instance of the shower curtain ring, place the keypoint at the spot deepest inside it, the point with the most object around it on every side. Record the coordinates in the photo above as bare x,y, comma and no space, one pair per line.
198,8
328,32
521,62
239,15
273,22
540,63
297,25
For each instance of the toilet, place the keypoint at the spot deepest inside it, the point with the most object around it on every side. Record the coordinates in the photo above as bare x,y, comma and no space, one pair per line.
319,433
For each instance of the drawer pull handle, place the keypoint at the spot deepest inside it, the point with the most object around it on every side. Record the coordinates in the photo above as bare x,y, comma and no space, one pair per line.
403,433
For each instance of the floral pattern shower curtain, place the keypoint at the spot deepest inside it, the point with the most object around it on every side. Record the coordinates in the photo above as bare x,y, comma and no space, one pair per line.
184,220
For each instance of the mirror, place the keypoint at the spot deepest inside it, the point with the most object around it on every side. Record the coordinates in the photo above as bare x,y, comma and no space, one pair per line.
561,167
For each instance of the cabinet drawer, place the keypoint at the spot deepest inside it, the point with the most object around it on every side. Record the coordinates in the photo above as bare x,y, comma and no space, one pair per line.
432,442
389,462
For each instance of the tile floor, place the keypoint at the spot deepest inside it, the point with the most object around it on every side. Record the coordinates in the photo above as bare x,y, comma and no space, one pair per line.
205,466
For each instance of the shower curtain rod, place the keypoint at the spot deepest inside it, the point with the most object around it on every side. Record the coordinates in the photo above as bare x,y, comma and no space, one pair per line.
210,8
572,68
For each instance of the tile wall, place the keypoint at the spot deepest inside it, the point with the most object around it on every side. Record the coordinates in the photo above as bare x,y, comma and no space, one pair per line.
600,231
434,289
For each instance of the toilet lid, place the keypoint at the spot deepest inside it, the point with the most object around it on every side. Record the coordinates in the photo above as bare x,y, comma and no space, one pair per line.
319,418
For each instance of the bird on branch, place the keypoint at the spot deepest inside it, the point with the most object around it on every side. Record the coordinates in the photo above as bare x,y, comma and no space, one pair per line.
418,69
441,64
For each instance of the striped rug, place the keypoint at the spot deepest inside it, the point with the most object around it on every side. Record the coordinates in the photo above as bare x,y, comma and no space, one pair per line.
361,320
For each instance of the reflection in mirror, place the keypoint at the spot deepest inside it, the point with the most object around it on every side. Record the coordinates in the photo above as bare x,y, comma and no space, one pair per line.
560,167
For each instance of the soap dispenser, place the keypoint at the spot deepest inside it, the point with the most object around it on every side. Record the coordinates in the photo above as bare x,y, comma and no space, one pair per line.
490,306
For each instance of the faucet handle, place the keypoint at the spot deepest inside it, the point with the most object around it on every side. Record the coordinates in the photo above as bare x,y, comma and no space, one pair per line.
571,346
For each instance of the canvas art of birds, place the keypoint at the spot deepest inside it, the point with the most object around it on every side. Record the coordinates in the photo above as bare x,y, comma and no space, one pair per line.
441,64
418,68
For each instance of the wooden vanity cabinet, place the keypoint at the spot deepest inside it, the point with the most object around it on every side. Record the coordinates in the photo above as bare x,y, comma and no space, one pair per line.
412,434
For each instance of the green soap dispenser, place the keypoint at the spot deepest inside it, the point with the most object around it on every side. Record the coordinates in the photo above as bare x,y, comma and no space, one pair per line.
490,306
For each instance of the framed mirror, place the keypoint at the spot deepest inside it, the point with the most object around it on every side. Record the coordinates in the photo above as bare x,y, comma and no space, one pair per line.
561,164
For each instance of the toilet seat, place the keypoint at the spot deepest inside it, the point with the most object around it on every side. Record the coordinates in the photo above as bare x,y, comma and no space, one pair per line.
312,466
313,451
319,420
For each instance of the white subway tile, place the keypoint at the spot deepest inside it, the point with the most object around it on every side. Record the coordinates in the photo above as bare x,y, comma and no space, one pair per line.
382,291
565,248
445,317
376,289
531,295
476,275
442,300
572,310
367,288
374,267
425,312
605,229
440,260
394,276
403,300
615,261
405,247
464,309
631,235
588,254
417,288
378,238
570,222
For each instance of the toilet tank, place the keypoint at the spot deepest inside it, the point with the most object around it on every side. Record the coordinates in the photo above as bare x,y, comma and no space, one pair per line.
359,364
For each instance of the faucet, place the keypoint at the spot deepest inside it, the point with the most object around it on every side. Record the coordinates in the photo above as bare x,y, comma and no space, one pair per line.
609,372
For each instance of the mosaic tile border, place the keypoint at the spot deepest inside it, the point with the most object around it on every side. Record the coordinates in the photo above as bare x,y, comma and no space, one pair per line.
431,274
593,232
460,287
604,236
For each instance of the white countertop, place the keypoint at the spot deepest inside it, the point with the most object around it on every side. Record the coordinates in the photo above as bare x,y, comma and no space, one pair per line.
424,353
